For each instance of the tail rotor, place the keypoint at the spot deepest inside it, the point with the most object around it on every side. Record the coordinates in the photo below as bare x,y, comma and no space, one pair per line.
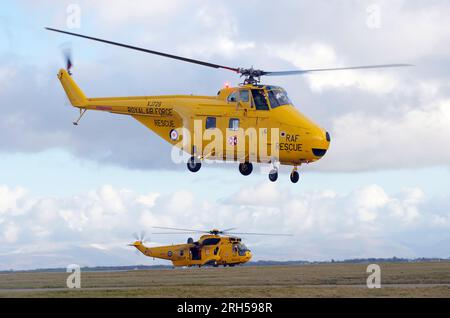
66,51
67,54
140,237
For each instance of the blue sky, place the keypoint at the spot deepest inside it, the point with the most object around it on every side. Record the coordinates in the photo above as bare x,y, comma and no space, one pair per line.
75,194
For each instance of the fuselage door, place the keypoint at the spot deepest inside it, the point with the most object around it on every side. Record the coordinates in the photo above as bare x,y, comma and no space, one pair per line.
261,114
239,123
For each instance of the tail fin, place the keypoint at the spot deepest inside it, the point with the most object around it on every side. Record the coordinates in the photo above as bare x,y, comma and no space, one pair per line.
74,93
141,248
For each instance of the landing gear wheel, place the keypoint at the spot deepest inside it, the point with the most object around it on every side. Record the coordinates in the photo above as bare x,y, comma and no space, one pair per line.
194,164
245,168
295,176
273,175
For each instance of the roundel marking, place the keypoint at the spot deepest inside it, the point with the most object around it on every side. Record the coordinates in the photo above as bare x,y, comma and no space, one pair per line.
173,134
233,140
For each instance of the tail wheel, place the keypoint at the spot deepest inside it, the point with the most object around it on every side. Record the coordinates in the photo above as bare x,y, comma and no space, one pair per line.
273,175
245,168
295,176
194,164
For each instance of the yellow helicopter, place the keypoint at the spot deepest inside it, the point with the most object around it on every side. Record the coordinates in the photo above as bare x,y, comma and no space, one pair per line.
214,248
251,123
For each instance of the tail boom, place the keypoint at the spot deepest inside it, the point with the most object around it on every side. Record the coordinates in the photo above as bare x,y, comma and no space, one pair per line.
74,93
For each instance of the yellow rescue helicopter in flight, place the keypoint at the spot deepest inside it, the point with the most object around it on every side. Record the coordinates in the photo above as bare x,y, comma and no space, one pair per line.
214,248
250,123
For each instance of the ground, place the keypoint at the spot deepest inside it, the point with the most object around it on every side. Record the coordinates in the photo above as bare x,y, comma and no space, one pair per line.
431,279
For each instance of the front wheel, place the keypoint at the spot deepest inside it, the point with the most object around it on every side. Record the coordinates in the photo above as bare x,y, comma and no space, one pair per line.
273,175
295,176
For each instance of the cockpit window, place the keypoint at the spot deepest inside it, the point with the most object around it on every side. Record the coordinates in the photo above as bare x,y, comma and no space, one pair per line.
260,99
232,98
244,95
278,97
241,249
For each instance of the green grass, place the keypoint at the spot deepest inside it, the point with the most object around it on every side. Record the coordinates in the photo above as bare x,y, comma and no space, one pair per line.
324,280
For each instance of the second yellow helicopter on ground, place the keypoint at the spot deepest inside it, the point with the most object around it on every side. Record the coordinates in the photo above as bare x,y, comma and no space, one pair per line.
214,248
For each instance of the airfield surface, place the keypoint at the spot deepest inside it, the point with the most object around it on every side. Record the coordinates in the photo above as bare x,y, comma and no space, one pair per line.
430,279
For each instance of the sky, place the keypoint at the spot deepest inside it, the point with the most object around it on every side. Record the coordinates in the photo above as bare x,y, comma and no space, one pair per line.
76,194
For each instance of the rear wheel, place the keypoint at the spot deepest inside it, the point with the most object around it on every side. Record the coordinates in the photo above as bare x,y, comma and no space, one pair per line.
245,168
194,164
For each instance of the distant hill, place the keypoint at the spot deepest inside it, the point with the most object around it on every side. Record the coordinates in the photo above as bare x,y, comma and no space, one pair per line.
255,263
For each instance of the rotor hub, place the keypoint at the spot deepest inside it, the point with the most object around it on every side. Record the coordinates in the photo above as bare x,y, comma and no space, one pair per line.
251,75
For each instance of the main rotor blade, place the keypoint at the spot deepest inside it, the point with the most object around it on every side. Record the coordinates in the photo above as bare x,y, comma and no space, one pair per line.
267,234
177,229
300,72
230,229
175,233
176,57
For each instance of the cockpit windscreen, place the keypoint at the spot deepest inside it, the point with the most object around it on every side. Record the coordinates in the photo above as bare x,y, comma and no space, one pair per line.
278,97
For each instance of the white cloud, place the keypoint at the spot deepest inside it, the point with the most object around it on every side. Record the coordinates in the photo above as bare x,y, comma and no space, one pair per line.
10,200
321,55
367,221
10,233
148,200
413,29
219,34
119,13
265,195
99,246
411,139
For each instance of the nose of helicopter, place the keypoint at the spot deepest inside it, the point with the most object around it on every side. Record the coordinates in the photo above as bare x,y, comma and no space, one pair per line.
321,144
248,256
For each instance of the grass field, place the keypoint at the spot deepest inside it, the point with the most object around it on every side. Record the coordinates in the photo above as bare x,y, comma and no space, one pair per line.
431,279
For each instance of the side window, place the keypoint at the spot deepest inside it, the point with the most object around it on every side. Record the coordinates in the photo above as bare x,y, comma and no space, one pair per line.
210,122
244,95
234,124
232,98
260,99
